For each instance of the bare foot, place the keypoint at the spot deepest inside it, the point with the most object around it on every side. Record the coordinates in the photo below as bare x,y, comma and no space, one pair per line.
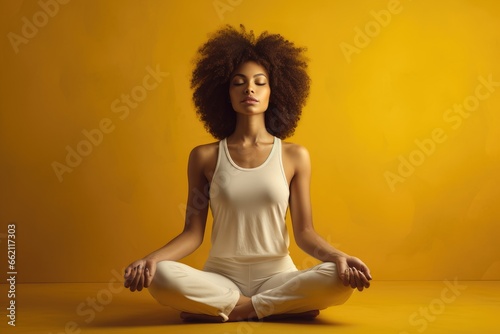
243,311
242,308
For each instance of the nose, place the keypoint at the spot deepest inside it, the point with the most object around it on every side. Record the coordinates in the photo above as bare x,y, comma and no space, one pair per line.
249,89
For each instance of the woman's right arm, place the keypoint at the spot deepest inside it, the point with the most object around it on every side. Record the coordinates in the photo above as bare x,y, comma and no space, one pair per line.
140,273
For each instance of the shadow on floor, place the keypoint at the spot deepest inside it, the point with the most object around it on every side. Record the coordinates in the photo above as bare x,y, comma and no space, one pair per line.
139,318
147,318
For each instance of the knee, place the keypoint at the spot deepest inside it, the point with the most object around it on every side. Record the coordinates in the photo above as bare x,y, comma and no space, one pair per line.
162,273
166,275
165,283
328,269
336,288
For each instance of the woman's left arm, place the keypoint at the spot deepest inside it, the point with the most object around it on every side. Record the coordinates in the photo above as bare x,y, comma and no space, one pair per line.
352,271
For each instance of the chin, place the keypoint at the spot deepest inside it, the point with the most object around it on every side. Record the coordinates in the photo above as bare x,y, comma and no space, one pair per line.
250,112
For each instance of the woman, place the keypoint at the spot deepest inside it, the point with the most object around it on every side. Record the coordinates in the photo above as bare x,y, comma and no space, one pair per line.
249,92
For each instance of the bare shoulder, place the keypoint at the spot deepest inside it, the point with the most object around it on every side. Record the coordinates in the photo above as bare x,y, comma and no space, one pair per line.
204,157
295,152
296,160
204,153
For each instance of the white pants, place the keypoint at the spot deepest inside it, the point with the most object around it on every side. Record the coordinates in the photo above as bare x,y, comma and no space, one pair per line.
275,286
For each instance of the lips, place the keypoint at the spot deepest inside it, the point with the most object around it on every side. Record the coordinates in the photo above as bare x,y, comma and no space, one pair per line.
250,99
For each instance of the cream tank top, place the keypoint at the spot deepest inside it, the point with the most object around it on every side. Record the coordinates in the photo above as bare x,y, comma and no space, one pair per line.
249,207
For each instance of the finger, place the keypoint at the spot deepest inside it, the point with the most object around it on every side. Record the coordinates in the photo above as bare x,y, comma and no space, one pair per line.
140,274
359,283
364,280
343,271
139,277
352,279
135,280
130,279
150,272
126,284
147,277
346,277
140,284
128,271
367,273
355,279
129,276
365,270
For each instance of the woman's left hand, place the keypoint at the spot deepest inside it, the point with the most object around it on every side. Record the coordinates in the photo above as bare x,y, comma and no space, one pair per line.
353,272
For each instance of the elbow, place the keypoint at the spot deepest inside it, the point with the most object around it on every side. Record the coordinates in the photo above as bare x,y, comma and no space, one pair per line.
199,241
195,238
306,239
301,244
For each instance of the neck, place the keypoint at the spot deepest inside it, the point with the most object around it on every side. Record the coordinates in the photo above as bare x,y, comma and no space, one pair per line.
250,129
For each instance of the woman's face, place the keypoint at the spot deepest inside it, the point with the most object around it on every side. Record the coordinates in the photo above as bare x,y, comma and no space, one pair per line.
249,89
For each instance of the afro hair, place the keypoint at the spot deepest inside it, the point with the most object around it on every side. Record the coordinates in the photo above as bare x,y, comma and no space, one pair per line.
218,58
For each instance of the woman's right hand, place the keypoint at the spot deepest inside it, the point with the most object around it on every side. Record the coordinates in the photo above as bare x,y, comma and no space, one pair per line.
139,274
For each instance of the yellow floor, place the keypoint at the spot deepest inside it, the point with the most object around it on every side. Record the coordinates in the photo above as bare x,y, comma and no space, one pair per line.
387,307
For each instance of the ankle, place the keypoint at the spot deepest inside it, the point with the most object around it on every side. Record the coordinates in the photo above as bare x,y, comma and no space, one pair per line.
243,299
243,312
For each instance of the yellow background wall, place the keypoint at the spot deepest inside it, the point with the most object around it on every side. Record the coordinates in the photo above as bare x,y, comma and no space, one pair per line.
402,126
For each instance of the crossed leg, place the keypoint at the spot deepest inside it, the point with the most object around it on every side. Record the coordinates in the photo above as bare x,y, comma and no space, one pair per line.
210,297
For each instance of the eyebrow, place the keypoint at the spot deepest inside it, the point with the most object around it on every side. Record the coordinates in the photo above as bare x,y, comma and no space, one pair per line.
244,76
